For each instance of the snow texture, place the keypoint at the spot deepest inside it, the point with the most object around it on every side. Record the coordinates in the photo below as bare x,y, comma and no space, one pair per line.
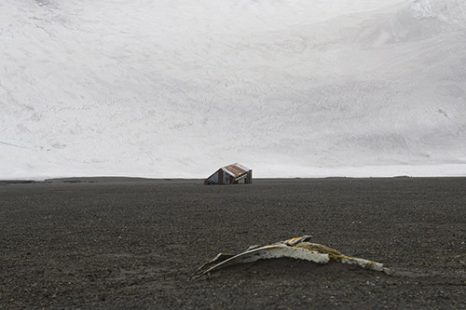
178,88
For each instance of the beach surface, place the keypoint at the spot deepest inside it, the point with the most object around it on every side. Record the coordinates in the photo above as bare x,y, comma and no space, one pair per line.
134,243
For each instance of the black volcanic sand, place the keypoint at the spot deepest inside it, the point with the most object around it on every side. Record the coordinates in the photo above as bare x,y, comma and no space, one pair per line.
110,243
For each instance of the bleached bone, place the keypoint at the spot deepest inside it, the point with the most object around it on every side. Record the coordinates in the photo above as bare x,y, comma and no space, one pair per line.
297,248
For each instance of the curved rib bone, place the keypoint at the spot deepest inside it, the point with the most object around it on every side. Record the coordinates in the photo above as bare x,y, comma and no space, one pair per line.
297,248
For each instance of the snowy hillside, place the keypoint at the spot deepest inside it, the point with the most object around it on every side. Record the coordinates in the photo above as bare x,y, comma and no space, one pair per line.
176,88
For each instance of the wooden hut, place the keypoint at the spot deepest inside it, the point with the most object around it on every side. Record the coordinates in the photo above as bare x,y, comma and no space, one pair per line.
231,174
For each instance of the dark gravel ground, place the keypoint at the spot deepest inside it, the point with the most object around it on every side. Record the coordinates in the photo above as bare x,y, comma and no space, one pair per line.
110,243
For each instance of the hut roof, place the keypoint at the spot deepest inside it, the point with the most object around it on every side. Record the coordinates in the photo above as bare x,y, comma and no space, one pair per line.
235,170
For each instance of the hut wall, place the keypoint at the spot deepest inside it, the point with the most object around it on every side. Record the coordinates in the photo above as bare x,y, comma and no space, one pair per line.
249,177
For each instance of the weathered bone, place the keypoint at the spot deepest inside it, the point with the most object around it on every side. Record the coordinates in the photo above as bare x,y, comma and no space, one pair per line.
297,248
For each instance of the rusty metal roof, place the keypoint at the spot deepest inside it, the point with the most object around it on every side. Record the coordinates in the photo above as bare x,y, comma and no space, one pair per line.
235,170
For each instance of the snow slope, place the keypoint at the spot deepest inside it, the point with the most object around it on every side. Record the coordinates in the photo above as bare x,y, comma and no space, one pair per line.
176,88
